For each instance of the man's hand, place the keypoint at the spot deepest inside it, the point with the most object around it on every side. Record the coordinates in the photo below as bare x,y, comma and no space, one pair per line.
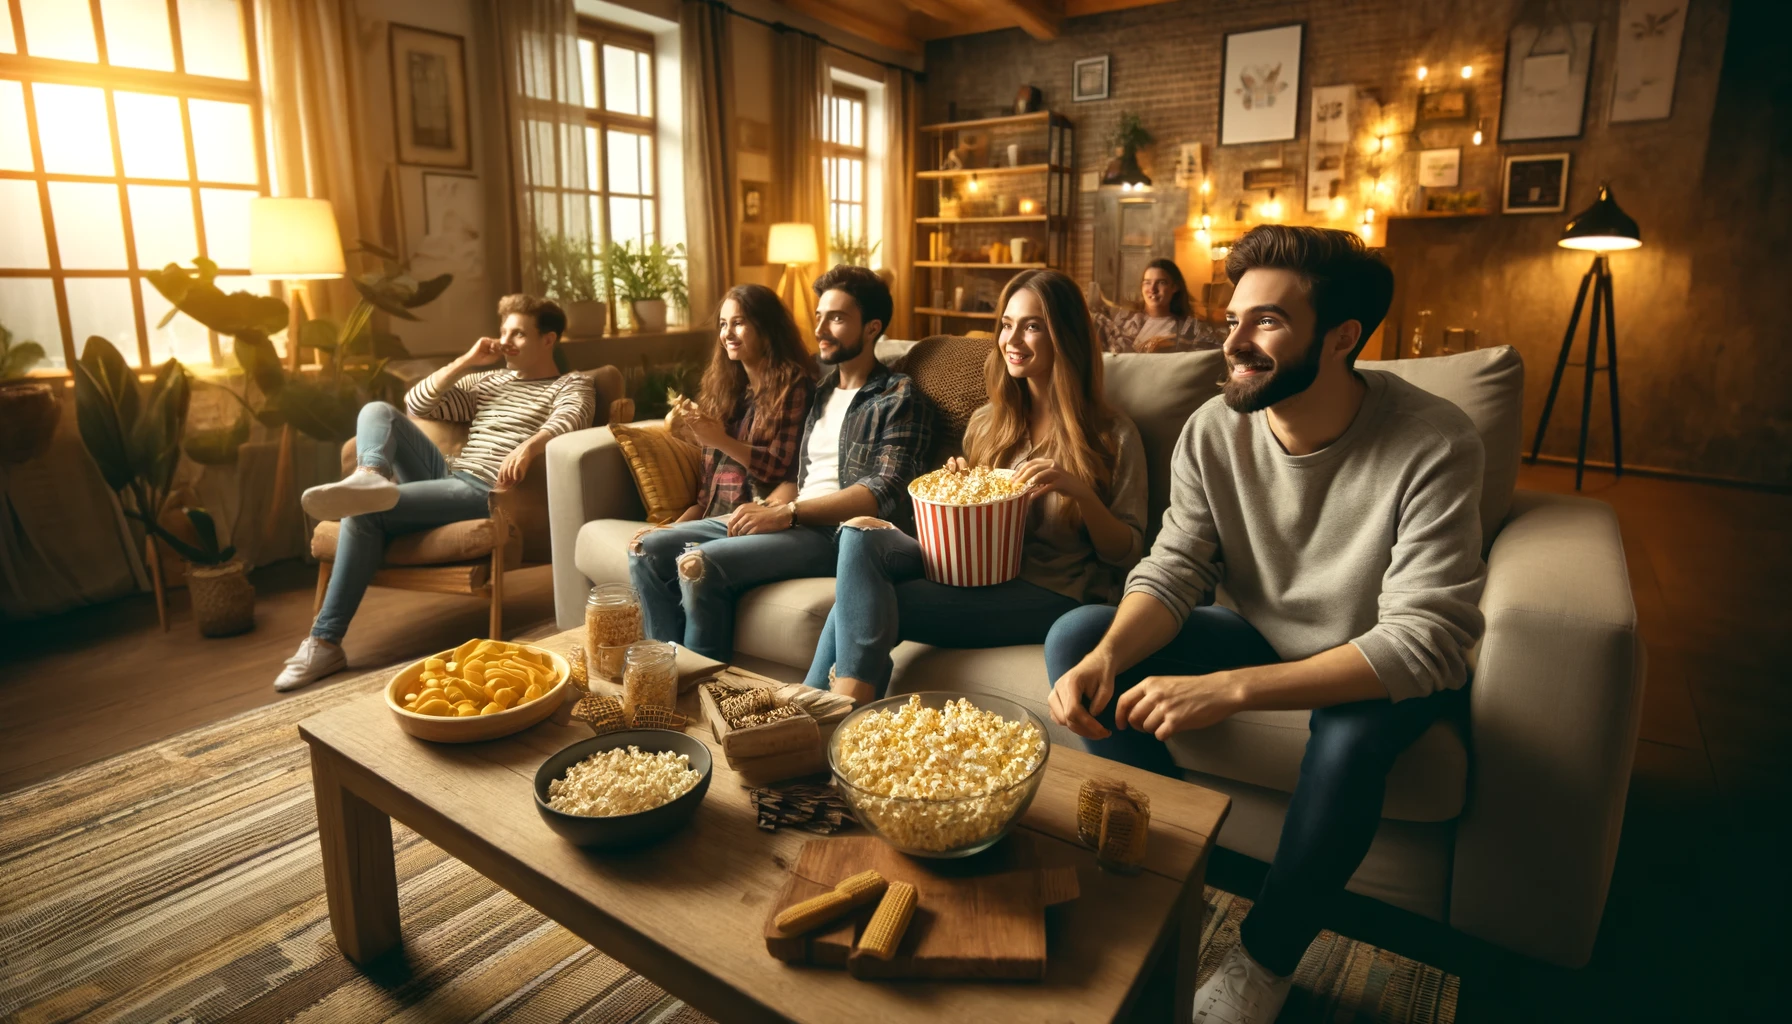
1166,705
1091,681
485,352
518,461
752,518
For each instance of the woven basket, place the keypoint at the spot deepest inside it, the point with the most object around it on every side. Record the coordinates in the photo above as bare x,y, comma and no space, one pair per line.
223,599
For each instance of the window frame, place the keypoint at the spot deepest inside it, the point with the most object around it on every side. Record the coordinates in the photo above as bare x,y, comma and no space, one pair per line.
600,33
832,150
30,71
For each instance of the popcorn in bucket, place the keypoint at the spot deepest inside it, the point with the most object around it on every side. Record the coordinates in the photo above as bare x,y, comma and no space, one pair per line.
972,525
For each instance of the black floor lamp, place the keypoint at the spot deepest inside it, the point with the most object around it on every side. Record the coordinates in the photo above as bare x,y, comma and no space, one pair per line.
1600,228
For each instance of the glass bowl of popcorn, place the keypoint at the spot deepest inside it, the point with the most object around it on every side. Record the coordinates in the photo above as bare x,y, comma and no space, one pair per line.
939,775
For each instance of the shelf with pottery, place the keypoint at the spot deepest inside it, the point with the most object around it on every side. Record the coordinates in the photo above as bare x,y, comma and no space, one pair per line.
981,266
977,172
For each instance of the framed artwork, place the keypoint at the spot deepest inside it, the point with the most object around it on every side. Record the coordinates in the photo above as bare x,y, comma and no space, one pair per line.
453,224
1440,168
1648,60
753,240
753,195
429,97
1260,85
1546,81
1089,79
1441,107
1191,166
755,135
1328,140
1535,184
1259,178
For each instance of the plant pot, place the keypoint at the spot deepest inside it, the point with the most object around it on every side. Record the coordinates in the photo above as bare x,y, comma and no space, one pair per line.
650,314
28,414
223,599
586,319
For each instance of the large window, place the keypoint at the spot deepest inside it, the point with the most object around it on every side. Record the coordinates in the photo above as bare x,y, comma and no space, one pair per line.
130,138
616,69
843,162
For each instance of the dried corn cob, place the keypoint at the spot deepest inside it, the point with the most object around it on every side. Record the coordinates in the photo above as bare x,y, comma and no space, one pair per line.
752,702
855,891
889,922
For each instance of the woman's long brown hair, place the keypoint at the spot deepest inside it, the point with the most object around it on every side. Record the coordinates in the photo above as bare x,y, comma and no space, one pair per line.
787,363
1082,440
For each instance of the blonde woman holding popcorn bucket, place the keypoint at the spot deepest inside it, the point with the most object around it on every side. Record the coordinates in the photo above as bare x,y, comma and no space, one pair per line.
1048,422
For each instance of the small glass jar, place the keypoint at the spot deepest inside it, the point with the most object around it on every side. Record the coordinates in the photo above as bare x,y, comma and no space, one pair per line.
649,676
612,620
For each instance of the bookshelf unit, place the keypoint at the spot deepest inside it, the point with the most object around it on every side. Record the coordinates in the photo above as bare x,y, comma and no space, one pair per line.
964,212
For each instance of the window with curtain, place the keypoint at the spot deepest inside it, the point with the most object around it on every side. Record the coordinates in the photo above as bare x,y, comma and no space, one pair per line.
130,138
616,72
843,168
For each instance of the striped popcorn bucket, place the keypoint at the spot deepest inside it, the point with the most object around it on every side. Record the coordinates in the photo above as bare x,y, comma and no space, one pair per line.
971,545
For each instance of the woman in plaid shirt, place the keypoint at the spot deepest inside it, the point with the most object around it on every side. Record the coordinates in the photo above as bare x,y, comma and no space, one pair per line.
749,443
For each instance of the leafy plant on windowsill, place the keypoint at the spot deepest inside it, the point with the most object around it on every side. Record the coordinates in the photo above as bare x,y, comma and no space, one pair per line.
16,359
645,273
135,440
851,249
567,268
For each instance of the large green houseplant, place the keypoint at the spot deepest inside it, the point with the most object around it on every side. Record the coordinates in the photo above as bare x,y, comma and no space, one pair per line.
568,269
28,408
647,277
134,437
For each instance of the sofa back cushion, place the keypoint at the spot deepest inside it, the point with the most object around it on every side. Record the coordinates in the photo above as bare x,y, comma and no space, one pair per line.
1159,391
1488,385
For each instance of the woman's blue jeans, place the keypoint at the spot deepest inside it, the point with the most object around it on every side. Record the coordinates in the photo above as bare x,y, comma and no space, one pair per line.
428,496
882,598
1336,806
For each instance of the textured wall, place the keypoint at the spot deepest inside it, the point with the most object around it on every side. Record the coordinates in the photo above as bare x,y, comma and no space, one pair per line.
1705,351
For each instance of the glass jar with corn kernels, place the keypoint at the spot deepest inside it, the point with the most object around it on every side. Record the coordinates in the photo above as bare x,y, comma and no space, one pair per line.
612,622
649,676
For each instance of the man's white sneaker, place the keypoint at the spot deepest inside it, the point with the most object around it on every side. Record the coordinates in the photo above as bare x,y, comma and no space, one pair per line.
315,659
363,491
1241,991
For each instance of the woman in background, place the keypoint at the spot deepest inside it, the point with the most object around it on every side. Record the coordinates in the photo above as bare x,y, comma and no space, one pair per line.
1167,324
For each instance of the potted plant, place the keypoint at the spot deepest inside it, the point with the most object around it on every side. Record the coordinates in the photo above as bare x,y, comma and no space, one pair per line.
852,249
1127,137
567,269
645,277
28,408
135,438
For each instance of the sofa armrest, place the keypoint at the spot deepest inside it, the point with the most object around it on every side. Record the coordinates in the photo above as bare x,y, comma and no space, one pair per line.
587,480
1556,705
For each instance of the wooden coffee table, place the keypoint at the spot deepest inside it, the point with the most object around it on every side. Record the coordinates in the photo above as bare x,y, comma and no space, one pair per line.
687,912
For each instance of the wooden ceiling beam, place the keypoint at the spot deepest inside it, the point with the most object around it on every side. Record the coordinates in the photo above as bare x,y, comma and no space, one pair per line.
938,10
863,27
1040,18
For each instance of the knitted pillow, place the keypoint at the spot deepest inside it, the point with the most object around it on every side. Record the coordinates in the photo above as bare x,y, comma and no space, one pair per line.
667,469
949,371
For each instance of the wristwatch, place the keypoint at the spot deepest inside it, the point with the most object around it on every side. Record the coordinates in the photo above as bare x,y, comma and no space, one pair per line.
791,508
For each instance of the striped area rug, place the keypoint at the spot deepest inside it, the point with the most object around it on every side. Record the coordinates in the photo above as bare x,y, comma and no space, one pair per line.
181,882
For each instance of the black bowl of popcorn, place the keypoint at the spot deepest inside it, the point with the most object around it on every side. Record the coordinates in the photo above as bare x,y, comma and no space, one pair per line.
624,788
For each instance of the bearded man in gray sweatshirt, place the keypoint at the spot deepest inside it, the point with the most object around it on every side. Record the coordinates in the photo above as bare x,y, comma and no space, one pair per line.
1339,509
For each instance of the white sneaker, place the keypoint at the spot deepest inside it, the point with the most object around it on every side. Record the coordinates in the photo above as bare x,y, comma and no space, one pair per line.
365,490
1241,991
315,659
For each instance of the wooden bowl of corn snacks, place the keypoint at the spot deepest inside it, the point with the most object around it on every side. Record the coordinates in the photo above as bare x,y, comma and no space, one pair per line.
623,789
508,686
939,775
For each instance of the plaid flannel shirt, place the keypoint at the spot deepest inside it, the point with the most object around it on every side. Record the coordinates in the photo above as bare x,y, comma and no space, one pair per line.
887,434
730,484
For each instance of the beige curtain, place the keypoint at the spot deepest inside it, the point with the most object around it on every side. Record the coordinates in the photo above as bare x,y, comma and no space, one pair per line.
708,74
536,114
902,103
797,90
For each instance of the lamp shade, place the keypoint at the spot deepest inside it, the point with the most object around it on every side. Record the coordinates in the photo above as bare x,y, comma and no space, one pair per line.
294,239
793,243
1601,227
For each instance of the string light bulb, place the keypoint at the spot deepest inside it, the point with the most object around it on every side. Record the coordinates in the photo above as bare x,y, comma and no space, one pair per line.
1381,145
1338,206
1206,220
1477,137
972,186
1468,71
1424,72
1206,186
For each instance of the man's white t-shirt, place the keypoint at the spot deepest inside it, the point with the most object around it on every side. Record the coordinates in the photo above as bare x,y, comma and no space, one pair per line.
822,476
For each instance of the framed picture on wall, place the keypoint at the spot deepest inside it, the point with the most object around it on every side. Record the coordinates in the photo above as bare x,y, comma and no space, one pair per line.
753,241
1260,85
453,224
1648,59
1440,168
1440,108
1546,81
1535,184
752,202
1089,79
429,97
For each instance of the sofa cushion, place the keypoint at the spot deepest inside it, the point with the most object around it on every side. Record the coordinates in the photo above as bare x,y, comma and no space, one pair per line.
667,469
454,542
1160,391
949,371
1488,385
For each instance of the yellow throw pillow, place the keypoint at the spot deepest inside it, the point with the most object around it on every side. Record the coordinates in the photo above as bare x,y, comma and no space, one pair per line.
666,469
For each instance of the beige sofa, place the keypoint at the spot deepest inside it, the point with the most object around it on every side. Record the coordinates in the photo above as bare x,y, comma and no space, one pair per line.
1513,845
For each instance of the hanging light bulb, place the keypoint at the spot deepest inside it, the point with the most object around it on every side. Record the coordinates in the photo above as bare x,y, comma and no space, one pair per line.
1366,232
1478,136
1382,146
1468,71
1424,72
1368,215
1338,206
1204,236
972,186
1206,220
1206,186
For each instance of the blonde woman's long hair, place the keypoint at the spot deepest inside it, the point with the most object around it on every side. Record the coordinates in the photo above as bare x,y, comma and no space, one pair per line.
1082,440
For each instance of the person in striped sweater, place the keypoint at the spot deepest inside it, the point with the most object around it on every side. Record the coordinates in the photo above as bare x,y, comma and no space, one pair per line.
511,394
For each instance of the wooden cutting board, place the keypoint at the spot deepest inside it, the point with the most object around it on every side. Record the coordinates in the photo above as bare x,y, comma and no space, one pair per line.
980,917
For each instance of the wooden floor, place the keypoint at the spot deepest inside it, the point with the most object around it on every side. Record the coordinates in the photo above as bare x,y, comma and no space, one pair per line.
1696,920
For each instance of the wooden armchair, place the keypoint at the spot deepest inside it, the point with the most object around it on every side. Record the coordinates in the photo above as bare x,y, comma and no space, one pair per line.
469,557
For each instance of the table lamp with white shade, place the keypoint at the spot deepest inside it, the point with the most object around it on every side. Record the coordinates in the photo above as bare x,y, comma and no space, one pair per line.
793,245
293,240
